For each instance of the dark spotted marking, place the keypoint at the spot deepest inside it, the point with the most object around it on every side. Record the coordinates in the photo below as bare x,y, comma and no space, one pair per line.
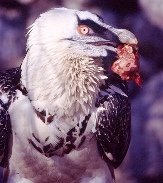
22,89
43,113
84,124
35,137
50,154
59,144
82,141
47,138
48,148
68,148
50,119
42,116
35,146
72,135
67,144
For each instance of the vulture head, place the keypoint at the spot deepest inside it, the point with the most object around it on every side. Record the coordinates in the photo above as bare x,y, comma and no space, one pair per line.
80,32
65,53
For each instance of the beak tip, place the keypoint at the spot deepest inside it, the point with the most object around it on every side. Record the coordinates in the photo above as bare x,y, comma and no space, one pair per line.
127,37
133,41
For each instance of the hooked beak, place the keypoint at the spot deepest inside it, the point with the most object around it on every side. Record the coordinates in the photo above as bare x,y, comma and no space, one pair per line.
116,37
125,36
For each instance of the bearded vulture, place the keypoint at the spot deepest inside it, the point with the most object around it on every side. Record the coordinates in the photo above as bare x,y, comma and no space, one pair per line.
64,114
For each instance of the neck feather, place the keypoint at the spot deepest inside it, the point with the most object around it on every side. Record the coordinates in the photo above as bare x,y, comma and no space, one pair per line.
64,85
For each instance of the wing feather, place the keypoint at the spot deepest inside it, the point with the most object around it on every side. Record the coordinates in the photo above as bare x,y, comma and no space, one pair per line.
9,81
113,122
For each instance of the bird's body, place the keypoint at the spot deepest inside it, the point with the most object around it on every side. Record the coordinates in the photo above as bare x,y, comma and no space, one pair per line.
80,165
60,167
69,117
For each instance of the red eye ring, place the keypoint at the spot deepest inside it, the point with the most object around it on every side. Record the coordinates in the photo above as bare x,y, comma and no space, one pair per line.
83,29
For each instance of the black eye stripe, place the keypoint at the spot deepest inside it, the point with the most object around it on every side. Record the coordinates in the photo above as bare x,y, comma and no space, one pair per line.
98,30
93,25
100,18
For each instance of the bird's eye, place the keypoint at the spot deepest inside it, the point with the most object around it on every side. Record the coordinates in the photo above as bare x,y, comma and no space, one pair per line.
83,29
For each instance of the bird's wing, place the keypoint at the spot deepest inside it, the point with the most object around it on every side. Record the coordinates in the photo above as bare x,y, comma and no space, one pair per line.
5,135
8,83
113,121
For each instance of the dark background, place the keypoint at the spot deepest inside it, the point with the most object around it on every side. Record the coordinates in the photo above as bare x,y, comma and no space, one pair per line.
144,161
